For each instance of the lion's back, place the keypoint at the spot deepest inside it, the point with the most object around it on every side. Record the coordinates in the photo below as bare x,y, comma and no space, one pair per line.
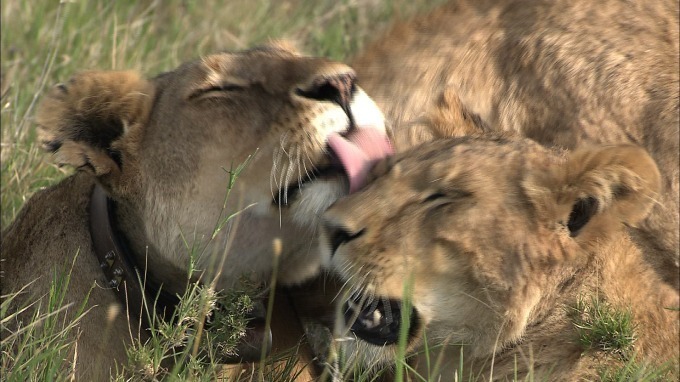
49,240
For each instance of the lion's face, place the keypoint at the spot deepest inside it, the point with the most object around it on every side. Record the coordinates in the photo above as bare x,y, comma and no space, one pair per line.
271,104
169,150
474,232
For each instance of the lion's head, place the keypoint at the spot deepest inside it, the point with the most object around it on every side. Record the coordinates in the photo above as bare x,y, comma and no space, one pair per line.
168,149
477,233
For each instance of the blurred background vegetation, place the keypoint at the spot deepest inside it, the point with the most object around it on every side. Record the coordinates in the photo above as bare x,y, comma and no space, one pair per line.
44,42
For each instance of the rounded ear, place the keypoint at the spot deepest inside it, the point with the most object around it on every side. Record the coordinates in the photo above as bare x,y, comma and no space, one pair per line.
597,190
89,122
285,45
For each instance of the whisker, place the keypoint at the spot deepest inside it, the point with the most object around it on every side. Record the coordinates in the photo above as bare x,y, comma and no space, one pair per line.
285,151
388,309
482,302
304,163
275,166
343,287
311,162
284,186
298,165
292,166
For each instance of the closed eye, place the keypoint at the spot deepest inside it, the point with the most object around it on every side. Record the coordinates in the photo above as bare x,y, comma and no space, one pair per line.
435,196
442,198
225,88
216,90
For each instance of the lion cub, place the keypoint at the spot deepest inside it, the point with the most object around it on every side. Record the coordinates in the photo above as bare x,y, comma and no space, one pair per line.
488,255
564,73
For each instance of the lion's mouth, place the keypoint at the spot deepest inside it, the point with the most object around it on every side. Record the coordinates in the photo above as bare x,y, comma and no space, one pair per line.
380,321
350,155
332,170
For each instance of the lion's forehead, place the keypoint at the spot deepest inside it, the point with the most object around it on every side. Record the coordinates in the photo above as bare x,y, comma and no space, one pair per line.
272,49
471,164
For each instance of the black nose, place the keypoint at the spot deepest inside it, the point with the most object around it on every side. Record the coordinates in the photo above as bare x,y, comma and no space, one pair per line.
338,88
338,235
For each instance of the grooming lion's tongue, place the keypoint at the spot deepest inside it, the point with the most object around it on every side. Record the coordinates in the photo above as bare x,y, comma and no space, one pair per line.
359,151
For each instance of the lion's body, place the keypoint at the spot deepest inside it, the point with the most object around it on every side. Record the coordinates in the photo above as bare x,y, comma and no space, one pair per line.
166,151
563,73
499,241
59,219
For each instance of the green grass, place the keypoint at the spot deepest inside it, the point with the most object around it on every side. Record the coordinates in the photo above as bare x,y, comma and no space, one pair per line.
603,327
636,371
41,346
177,350
611,330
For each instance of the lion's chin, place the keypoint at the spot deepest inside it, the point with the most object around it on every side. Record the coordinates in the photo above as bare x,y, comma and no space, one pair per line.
311,199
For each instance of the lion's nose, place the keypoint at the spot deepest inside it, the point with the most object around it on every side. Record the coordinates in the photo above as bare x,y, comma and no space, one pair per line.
337,88
338,235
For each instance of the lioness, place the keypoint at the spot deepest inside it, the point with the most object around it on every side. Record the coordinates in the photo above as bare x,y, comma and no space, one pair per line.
161,155
498,245
564,73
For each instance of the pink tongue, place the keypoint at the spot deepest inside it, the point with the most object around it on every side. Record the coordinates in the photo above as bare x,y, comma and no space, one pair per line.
359,151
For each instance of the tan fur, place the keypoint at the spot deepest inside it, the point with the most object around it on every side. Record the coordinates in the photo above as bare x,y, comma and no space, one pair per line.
564,73
163,149
479,230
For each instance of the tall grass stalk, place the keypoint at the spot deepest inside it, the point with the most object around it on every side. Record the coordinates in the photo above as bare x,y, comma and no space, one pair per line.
407,295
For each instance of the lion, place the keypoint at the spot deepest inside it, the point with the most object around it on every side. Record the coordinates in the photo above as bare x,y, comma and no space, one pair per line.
482,251
563,73
220,165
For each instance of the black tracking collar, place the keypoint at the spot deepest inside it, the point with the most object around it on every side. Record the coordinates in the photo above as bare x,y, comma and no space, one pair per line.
123,275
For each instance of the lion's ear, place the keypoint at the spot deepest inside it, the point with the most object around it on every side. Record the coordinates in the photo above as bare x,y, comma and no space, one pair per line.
597,190
85,122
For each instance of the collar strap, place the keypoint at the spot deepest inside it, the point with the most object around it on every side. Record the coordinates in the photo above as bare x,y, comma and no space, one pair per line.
131,286
121,271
